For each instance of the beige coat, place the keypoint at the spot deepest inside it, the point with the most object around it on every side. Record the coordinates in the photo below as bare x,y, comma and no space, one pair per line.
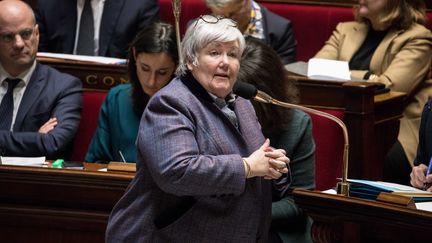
401,61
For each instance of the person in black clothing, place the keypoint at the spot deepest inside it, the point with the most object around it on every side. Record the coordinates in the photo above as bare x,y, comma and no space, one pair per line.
419,175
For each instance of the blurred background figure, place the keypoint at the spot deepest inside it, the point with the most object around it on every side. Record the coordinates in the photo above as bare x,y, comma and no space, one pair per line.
389,44
288,129
153,58
92,27
255,21
419,175
204,169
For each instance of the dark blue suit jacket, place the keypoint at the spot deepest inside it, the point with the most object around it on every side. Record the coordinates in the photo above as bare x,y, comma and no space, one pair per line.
49,94
279,34
121,21
424,149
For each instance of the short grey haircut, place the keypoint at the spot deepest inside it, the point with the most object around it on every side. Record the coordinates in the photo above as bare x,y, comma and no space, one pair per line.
203,31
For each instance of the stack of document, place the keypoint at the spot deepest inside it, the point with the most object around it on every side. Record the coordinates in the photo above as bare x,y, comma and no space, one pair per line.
324,69
371,189
25,161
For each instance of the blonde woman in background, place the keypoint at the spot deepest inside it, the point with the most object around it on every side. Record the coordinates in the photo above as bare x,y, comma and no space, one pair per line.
388,43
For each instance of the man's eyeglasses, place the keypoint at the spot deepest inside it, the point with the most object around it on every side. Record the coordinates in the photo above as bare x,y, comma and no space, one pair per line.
211,19
9,37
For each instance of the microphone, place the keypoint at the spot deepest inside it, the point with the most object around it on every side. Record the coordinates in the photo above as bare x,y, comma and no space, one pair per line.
248,91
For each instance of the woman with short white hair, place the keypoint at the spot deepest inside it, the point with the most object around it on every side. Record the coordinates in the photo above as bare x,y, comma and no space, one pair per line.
204,168
389,44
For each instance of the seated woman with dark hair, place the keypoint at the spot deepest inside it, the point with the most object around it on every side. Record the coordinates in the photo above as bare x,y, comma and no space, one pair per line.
153,58
289,129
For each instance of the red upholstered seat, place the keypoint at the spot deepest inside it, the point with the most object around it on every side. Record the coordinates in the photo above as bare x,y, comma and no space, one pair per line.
429,22
329,144
92,101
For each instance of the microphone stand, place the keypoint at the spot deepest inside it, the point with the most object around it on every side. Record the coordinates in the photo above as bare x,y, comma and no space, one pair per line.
176,6
342,186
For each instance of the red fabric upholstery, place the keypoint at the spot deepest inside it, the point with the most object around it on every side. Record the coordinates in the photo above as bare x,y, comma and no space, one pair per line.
92,101
429,22
329,144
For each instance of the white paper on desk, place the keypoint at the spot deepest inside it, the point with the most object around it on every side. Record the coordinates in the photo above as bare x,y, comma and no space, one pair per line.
427,206
94,59
26,161
325,69
330,191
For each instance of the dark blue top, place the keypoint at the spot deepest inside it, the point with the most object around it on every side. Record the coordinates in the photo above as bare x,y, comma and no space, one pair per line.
297,140
424,149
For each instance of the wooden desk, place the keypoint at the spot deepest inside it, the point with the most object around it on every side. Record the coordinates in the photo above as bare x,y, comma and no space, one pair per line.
372,120
93,75
344,219
57,205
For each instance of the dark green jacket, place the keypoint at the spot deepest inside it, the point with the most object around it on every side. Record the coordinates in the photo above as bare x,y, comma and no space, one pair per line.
287,218
117,128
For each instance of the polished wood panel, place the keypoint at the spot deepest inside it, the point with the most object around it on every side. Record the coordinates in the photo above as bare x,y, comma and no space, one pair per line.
95,76
345,219
57,205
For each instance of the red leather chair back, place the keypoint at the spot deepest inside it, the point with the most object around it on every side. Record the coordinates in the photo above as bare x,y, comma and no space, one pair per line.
92,101
329,143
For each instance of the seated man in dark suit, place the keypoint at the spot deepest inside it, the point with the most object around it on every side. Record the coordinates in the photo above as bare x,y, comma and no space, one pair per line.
255,21
107,26
40,108
421,176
